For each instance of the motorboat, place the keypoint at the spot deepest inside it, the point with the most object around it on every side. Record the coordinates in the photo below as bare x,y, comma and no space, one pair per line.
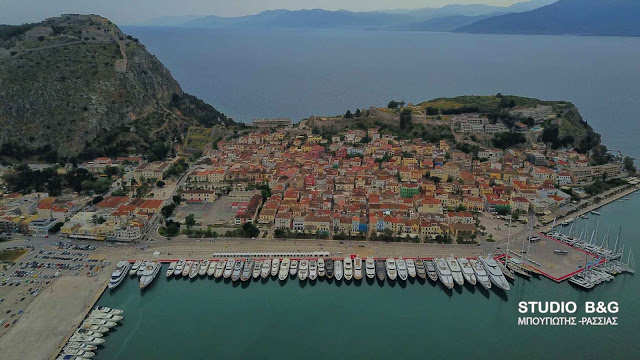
187,268
151,269
89,333
392,272
237,270
211,270
401,266
432,271
328,264
370,267
141,268
313,269
195,267
257,266
228,269
481,274
204,266
411,267
86,339
80,354
95,328
348,268
220,267
467,271
266,269
121,271
134,267
99,322
275,267
179,268
303,269
283,273
293,268
81,346
380,270
247,271
421,271
108,310
496,276
321,268
171,269
339,269
357,268
456,272
444,273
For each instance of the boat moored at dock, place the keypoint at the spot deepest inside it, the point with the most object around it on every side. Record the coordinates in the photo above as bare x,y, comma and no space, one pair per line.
392,273
293,268
348,268
283,273
134,267
179,268
195,268
411,267
481,274
496,276
237,270
228,269
204,266
265,271
444,273
275,266
401,266
141,268
313,269
467,271
357,268
187,268
149,273
321,268
121,271
432,271
247,271
380,270
220,266
257,267
303,269
339,269
211,270
456,272
328,264
370,267
421,271
171,269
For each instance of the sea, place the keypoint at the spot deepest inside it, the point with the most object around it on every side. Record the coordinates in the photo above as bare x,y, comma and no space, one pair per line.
299,73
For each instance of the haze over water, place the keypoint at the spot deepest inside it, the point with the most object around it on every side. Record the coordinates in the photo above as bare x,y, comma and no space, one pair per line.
297,73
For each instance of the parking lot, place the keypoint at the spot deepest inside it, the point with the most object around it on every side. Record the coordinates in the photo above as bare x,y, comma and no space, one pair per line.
218,212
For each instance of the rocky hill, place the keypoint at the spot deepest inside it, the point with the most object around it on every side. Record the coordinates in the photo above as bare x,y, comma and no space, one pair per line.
67,82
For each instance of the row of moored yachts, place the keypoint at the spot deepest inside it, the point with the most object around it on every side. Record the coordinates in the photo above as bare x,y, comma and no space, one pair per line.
86,339
145,270
450,271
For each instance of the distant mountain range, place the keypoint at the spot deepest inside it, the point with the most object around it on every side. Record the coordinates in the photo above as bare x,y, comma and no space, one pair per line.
551,17
575,17
451,17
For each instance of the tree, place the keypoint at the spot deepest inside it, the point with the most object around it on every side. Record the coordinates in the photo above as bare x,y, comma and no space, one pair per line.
405,119
250,230
358,113
176,199
432,111
348,115
629,165
160,183
97,199
167,210
393,104
190,221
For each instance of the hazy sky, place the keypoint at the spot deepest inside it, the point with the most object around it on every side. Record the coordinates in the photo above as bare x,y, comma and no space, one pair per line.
132,11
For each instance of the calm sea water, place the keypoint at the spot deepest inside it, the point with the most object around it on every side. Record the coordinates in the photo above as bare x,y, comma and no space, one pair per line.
299,73
295,74
206,318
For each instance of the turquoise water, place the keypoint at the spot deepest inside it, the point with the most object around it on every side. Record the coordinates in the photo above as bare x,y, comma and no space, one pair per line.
207,318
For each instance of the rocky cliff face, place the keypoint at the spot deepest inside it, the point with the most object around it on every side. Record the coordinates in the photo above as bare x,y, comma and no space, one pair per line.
67,80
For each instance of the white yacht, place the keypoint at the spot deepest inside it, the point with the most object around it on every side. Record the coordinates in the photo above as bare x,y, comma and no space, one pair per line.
370,267
81,346
275,266
481,274
121,271
293,269
456,272
134,267
99,322
108,310
348,268
321,269
86,339
179,268
247,271
187,268
432,272
88,333
195,268
79,354
95,328
313,269
402,269
338,270
283,274
266,269
357,268
220,268
237,270
257,266
303,269
495,274
150,271
467,271
172,268
211,270
141,268
444,273
228,269
411,267
104,316
391,268
204,266
421,270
